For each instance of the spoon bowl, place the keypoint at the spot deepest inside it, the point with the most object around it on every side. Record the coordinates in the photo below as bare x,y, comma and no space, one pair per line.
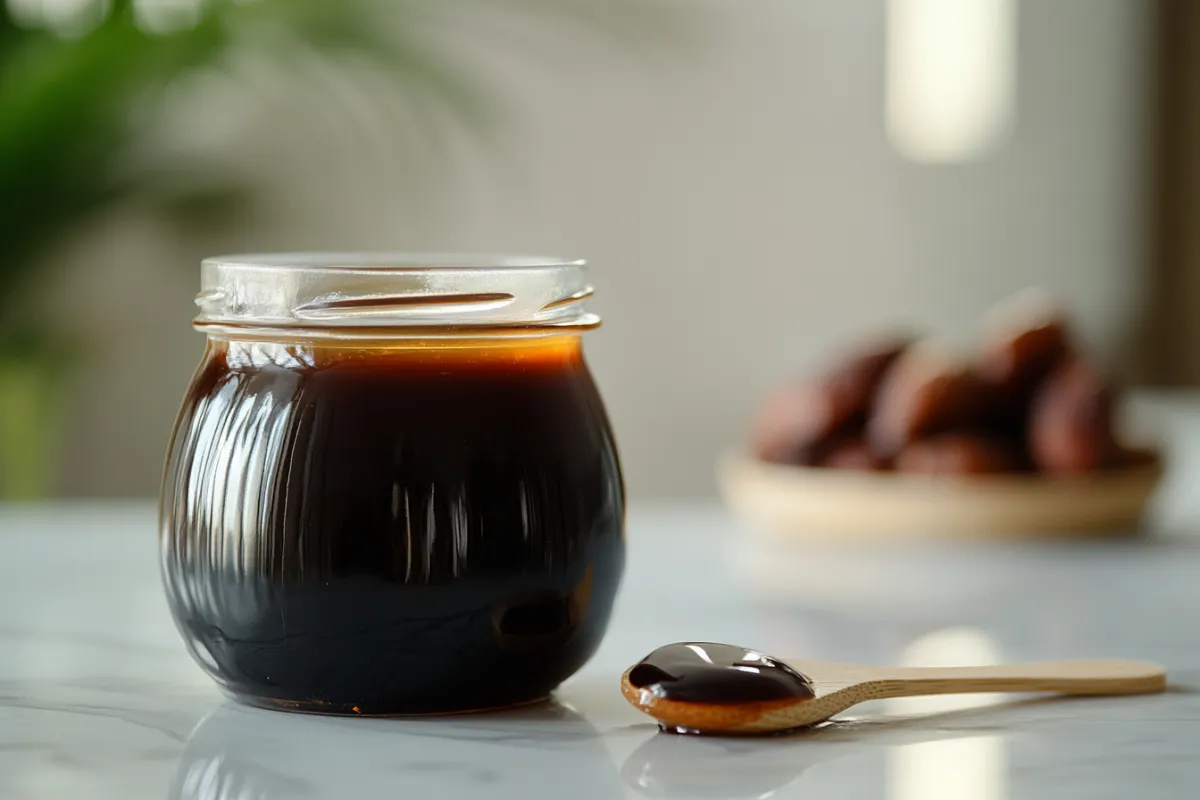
701,687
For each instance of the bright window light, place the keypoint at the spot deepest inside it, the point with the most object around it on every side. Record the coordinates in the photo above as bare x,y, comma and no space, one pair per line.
951,77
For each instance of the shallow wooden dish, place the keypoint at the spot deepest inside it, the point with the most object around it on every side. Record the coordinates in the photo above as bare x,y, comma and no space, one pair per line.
823,504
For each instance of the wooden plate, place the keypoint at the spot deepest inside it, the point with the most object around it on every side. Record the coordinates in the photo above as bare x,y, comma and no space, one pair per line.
811,503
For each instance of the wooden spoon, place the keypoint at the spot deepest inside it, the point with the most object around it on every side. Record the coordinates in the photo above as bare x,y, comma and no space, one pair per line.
703,687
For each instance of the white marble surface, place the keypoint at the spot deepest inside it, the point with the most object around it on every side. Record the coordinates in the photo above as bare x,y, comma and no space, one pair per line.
98,699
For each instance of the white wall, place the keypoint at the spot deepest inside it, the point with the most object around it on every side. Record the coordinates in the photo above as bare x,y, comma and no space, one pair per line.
742,209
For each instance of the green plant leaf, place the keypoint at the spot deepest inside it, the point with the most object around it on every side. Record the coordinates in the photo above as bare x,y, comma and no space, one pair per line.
67,128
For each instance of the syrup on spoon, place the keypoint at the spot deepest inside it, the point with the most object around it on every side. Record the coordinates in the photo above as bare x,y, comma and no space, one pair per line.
710,688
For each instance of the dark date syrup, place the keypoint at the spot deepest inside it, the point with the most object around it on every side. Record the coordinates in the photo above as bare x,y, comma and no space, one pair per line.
392,530
706,673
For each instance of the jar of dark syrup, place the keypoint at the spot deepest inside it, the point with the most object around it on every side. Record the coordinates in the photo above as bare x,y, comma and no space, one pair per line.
392,487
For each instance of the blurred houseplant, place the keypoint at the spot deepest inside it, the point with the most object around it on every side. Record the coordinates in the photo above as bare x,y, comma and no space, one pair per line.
81,82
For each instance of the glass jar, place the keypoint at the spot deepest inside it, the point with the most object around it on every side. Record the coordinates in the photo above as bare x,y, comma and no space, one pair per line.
392,487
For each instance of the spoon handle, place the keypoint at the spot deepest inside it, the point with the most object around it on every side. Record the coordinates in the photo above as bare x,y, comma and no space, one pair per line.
1062,677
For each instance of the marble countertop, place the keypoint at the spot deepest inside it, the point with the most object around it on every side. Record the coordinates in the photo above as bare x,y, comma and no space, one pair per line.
99,700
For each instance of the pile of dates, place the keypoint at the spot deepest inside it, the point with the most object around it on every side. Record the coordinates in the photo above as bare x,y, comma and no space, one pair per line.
1027,401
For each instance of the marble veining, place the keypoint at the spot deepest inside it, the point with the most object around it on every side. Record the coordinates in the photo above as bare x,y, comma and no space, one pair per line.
98,698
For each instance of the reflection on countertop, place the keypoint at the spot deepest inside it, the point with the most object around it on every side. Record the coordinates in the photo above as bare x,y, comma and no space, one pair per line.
970,768
733,768
238,752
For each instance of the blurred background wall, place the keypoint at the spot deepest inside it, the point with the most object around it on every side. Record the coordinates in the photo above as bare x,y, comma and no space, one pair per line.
738,194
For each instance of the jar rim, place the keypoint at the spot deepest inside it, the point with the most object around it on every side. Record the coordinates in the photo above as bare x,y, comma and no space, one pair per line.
382,261
363,293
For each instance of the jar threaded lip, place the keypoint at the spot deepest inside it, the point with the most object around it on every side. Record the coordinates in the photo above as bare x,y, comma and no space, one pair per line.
351,293
375,261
